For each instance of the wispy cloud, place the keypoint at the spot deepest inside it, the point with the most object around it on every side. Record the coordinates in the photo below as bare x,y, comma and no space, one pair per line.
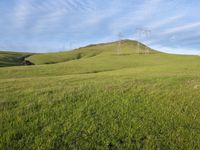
183,28
177,50
22,12
165,21
139,13
34,24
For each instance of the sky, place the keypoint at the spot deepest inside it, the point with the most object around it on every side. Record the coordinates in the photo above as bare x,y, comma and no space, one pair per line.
171,26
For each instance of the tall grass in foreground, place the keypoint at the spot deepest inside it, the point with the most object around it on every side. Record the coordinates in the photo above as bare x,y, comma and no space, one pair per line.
94,112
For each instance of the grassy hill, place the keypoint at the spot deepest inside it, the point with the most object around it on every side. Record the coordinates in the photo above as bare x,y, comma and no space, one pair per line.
102,100
12,58
17,58
129,47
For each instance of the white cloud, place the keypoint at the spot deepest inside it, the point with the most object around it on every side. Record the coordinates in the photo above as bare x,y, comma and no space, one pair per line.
21,13
176,50
165,21
91,21
95,17
141,12
51,13
61,10
182,28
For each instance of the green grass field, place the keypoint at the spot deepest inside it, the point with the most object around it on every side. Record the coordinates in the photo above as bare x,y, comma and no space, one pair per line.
93,98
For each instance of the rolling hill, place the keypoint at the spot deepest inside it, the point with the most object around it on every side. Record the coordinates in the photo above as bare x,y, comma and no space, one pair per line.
12,58
16,58
129,47
95,97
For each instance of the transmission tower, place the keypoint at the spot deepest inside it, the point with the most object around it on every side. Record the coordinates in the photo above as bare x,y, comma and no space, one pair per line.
147,32
120,36
142,33
71,45
63,47
138,32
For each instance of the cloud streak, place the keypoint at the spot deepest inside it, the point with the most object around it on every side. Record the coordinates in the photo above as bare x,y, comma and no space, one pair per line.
21,13
35,25
195,25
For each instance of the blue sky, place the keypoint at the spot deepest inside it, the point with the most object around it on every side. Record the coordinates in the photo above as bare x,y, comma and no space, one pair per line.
57,25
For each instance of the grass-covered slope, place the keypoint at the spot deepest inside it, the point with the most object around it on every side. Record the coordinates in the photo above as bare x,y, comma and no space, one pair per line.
108,101
127,46
12,58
